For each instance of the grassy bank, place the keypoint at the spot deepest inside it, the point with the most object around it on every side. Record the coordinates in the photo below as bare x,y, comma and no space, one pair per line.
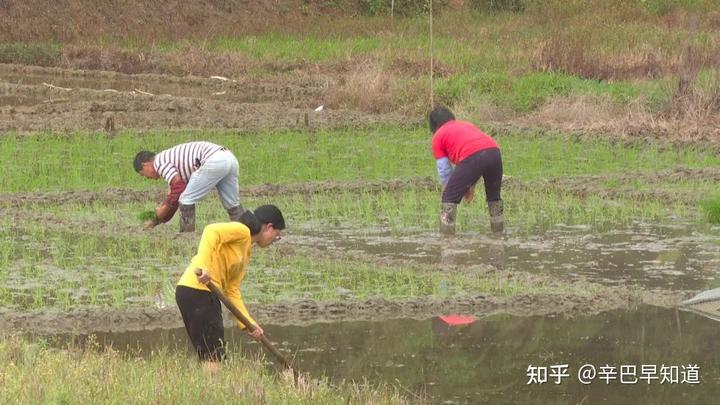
34,373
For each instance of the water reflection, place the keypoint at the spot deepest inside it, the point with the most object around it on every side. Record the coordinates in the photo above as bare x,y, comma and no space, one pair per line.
487,360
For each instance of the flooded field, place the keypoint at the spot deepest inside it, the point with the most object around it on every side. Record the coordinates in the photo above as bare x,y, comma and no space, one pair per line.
488,360
665,260
677,257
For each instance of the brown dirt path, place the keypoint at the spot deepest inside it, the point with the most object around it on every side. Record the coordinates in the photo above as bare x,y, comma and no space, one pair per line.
304,312
581,186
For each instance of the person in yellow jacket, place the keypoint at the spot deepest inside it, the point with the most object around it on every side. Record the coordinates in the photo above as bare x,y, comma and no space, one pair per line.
223,255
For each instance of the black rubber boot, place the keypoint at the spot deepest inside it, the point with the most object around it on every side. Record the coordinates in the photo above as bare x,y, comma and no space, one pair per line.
187,218
448,215
235,212
497,219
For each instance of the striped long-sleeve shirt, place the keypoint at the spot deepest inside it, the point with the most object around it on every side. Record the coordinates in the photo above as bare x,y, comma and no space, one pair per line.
183,159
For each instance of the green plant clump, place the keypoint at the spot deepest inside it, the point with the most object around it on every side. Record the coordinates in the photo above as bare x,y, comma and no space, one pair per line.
146,215
711,209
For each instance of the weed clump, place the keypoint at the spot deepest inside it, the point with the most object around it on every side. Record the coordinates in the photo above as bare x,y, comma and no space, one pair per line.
711,209
30,54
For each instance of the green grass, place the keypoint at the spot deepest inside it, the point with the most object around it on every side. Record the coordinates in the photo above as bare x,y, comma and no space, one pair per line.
710,207
42,54
36,373
277,48
375,153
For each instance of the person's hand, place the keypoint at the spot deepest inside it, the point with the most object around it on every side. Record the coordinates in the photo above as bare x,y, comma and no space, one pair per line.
257,333
149,224
469,195
204,277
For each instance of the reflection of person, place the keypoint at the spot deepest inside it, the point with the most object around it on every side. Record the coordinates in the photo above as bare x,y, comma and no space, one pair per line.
223,255
191,169
449,325
474,155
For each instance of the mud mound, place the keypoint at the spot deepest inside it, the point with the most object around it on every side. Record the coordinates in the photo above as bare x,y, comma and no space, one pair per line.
305,312
47,84
67,20
596,186
125,195
581,186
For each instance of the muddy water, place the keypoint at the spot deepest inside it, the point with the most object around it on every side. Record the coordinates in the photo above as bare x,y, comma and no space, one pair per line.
487,361
676,257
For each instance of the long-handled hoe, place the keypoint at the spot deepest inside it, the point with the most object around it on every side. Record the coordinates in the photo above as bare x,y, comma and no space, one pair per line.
269,346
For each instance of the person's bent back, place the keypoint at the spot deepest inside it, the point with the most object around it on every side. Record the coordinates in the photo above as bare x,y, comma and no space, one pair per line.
192,170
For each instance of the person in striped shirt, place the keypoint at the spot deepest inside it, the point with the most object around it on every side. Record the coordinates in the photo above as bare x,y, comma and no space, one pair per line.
191,169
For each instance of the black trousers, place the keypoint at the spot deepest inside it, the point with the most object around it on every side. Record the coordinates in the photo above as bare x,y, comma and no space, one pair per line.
487,164
202,315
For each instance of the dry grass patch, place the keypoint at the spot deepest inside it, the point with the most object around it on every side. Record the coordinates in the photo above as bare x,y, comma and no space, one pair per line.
190,61
481,111
203,63
96,58
576,112
366,87
599,116
572,55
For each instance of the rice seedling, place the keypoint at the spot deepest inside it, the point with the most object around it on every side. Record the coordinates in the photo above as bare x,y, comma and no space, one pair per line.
146,215
710,207
356,154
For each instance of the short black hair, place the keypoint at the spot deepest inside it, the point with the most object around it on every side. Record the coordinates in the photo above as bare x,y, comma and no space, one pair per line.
142,157
270,214
439,116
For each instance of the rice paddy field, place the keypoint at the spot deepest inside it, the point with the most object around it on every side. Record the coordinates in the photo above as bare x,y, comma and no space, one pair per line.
610,162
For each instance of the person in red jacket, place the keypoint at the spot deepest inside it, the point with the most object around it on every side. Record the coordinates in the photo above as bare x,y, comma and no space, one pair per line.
473,155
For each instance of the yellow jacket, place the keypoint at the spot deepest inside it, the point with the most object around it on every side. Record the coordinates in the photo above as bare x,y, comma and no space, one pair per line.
224,251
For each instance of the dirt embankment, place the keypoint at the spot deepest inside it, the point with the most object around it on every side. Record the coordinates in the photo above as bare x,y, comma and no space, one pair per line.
353,92
305,312
37,99
75,20
581,186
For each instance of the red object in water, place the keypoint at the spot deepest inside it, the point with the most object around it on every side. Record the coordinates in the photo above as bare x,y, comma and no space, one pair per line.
457,320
